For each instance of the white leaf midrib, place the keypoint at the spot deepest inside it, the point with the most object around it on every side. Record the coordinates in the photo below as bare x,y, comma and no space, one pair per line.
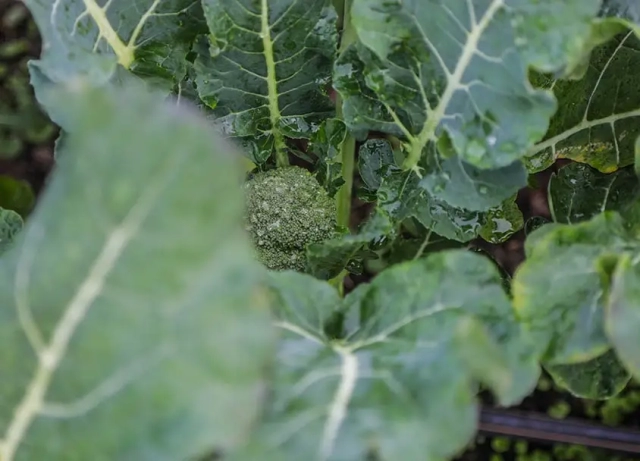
55,351
609,120
601,76
123,51
338,406
454,79
471,46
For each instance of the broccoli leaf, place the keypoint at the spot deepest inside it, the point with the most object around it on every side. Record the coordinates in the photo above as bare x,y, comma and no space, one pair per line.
461,185
598,116
456,72
11,224
374,157
407,248
125,329
564,283
578,192
623,312
500,223
265,68
402,381
451,180
91,37
327,259
325,144
401,196
600,378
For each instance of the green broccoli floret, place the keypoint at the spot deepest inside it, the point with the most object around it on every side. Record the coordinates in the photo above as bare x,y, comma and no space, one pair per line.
286,210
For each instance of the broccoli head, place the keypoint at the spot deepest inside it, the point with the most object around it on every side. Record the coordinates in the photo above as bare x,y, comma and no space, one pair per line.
286,210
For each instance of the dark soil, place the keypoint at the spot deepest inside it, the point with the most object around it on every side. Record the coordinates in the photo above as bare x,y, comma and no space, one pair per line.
26,135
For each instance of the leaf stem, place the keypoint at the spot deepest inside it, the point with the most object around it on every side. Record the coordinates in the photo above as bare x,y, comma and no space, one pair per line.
423,246
348,147
282,159
454,84
99,15
344,194
336,282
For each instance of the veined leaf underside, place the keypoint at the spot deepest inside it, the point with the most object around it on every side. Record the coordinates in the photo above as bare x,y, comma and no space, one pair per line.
348,372
335,412
454,77
264,72
50,354
443,70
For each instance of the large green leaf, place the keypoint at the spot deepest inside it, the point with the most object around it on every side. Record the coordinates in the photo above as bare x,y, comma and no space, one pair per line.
598,116
265,68
401,383
561,289
133,322
455,72
623,312
578,192
92,37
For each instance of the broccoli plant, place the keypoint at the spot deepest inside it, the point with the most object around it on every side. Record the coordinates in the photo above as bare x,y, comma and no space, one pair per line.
277,254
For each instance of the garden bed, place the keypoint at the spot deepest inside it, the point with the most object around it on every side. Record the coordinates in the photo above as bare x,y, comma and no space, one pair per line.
26,156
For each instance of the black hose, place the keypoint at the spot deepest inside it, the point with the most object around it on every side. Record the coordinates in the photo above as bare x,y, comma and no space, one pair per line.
540,428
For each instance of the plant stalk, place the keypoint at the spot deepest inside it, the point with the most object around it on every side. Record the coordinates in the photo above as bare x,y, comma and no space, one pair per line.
348,147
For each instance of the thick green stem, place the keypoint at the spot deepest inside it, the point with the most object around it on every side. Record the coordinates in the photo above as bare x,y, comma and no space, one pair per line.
348,148
344,194
282,158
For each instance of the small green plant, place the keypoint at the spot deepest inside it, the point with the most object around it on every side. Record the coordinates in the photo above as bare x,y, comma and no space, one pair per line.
167,308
